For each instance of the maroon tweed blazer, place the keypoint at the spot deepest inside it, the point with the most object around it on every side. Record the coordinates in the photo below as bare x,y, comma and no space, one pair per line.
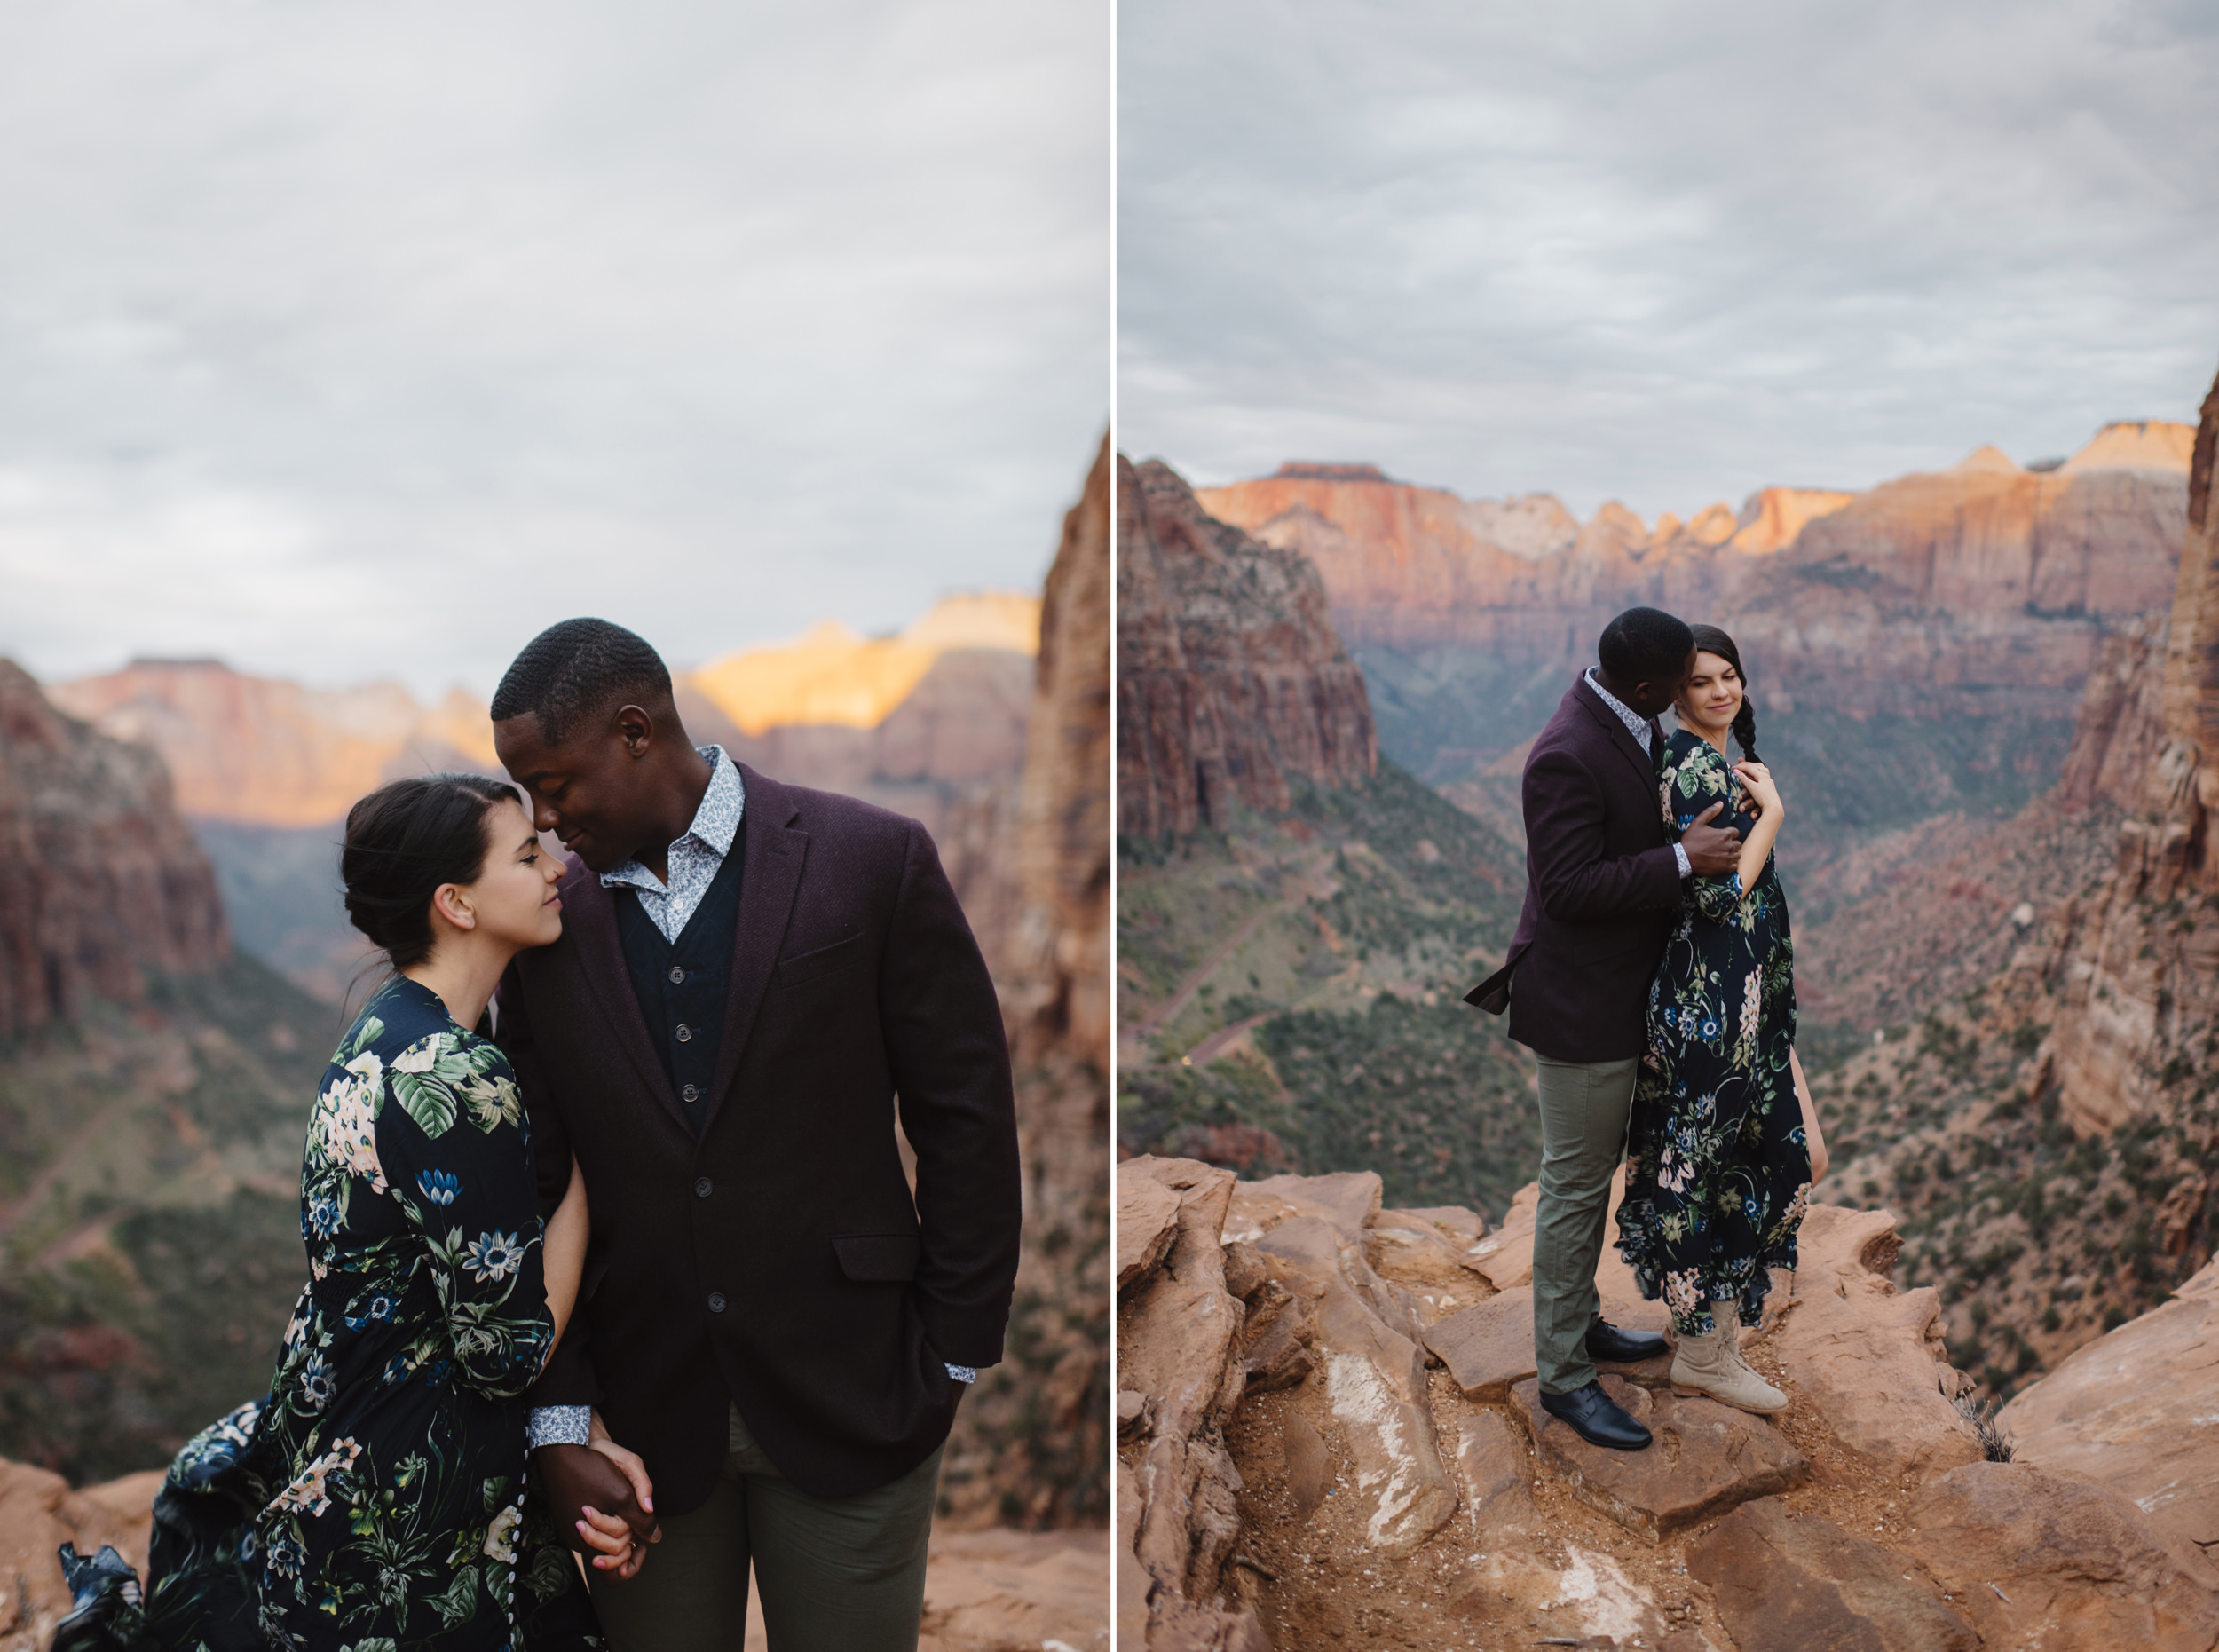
779,1262
1601,888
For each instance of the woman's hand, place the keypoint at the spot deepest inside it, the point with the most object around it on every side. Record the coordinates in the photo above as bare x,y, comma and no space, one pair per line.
621,1558
1764,793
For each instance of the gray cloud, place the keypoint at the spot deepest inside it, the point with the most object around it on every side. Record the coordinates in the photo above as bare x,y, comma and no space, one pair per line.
346,340
1665,253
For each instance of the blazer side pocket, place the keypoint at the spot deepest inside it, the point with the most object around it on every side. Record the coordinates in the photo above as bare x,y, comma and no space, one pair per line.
877,1258
824,960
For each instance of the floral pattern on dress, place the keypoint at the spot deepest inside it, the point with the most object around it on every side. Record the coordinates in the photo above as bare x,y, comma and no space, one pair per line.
1718,1167
375,1501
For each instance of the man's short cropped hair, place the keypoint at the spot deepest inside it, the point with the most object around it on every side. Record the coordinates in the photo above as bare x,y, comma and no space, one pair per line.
1645,646
580,666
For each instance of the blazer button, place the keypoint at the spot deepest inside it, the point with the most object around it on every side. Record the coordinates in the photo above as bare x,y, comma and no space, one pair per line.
685,1035
716,1302
677,976
703,1187
690,1094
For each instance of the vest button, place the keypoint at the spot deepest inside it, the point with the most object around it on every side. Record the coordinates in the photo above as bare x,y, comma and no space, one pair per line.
690,1094
685,1034
716,1302
704,1188
677,976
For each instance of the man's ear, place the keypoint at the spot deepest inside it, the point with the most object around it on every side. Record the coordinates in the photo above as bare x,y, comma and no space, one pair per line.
636,727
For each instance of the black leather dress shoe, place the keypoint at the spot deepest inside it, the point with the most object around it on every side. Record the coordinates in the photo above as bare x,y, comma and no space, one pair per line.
1605,1341
1596,1418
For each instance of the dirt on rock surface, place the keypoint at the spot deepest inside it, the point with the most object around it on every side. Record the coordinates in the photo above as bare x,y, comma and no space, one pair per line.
1798,1531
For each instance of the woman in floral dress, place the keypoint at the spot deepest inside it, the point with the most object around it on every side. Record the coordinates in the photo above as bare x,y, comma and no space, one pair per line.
376,1500
1719,1162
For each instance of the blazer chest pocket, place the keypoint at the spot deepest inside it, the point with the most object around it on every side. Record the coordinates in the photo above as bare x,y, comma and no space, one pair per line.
824,962
877,1258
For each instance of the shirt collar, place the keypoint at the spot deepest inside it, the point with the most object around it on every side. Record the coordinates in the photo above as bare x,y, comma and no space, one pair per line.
1635,724
715,823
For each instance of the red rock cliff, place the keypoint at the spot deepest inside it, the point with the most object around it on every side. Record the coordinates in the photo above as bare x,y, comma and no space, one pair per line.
1231,680
2136,965
99,880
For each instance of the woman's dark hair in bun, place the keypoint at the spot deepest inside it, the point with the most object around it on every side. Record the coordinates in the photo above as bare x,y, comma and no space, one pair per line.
1710,640
403,841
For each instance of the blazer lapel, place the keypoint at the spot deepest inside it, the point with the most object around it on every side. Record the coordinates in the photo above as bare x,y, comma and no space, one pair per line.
1619,736
776,852
590,911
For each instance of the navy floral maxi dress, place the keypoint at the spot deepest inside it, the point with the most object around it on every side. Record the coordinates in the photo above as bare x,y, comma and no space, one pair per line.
1718,1167
374,1501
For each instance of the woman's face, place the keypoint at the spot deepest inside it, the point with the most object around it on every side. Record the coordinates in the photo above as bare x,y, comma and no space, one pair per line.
1712,698
513,896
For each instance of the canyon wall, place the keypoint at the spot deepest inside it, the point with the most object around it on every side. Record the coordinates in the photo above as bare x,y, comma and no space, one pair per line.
1231,682
2136,965
1032,1445
100,882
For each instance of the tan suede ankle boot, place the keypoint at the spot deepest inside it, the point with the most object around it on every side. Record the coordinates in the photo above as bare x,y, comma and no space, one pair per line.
1712,1365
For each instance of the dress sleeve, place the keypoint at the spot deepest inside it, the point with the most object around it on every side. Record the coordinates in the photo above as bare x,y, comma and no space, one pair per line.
451,1134
1694,780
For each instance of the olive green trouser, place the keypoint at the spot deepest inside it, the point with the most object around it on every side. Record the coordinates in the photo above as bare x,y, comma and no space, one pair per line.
1583,1109
837,1574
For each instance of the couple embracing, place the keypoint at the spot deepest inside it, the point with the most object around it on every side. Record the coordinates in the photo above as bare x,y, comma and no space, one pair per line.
1651,974
629,1266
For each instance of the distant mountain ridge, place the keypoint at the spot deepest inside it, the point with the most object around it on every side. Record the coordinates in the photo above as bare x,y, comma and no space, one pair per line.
1934,595
930,721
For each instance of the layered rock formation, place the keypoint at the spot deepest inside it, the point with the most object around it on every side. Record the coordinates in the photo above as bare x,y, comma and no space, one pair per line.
1327,1435
1231,684
2136,965
1032,1444
272,752
1929,596
100,882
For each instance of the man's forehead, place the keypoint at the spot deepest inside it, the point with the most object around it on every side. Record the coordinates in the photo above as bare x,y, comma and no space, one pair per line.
522,750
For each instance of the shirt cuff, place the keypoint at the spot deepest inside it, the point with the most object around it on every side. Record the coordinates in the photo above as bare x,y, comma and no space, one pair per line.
962,1373
1680,854
558,1425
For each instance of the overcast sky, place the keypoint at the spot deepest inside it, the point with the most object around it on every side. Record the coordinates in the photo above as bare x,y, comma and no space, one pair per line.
342,339
1655,250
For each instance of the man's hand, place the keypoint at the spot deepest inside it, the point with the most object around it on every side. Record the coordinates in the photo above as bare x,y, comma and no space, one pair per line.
608,1515
1712,851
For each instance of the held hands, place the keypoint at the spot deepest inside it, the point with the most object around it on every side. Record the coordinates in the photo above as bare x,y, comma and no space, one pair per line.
1712,851
603,1492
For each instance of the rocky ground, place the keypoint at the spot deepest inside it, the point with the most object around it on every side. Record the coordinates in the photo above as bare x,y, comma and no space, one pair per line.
995,1591
1328,1436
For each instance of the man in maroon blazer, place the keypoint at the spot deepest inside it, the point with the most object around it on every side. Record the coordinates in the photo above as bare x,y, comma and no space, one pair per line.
752,978
1602,886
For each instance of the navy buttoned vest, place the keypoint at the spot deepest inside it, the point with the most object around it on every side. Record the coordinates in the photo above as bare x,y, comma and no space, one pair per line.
682,985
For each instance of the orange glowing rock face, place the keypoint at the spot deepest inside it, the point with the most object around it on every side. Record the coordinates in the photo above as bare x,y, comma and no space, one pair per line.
832,675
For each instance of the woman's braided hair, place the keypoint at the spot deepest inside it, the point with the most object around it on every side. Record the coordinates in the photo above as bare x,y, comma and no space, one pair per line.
1710,640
